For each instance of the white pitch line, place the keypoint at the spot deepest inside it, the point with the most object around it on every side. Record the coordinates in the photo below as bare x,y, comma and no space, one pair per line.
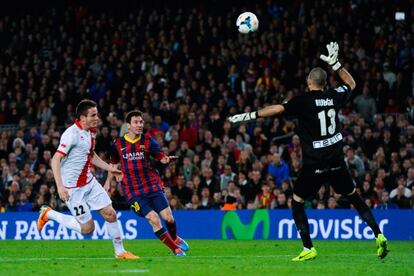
127,271
10,259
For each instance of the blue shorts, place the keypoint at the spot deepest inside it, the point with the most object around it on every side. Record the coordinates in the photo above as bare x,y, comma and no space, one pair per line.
144,204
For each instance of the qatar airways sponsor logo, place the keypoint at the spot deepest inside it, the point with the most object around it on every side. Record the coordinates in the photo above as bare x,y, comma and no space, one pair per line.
134,156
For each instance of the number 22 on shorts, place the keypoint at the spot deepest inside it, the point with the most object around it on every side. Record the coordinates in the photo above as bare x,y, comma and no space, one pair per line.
79,210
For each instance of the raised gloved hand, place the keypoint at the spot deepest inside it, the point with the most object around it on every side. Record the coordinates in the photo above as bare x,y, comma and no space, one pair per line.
332,58
243,117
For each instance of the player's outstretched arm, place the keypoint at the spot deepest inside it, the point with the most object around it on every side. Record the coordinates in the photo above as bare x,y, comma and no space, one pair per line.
55,164
167,159
332,60
110,176
346,77
271,110
97,161
268,111
108,180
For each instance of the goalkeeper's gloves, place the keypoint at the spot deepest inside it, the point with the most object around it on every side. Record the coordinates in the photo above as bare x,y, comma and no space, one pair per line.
243,117
332,58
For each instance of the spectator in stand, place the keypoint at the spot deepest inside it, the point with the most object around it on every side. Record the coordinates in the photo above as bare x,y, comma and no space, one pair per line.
160,124
11,205
278,169
354,162
365,103
175,203
294,149
265,199
392,106
210,181
188,169
241,203
385,202
181,191
286,188
244,164
226,177
188,133
410,178
332,204
267,81
368,144
230,204
194,204
205,200
281,201
217,201
401,195
208,160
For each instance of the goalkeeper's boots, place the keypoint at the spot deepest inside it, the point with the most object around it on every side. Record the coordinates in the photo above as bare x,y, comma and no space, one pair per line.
41,221
126,256
306,255
182,244
382,246
179,253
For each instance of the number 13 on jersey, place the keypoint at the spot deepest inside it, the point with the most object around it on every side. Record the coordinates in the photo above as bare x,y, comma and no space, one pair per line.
322,119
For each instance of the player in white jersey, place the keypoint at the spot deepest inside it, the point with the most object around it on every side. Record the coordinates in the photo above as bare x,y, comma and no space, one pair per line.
77,186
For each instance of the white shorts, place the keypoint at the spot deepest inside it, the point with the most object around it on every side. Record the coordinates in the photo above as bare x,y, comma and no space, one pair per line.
85,199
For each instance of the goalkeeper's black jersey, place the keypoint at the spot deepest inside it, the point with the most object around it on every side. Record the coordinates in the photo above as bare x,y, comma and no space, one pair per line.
319,127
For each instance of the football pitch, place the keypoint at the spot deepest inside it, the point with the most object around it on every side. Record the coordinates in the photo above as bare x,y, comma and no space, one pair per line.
206,257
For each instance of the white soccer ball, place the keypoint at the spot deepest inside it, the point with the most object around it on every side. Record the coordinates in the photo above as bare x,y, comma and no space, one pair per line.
247,22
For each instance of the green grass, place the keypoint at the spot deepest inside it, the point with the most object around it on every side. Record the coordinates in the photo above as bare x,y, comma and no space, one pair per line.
206,257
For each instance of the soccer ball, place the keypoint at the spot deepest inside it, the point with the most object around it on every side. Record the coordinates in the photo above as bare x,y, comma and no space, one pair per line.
247,22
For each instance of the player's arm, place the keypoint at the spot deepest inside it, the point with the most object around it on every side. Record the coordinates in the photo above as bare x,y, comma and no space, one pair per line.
268,111
168,158
158,154
97,161
346,77
108,180
110,176
115,160
55,164
271,110
332,60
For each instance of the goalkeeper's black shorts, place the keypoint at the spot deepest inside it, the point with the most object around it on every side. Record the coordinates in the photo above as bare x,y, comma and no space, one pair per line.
313,177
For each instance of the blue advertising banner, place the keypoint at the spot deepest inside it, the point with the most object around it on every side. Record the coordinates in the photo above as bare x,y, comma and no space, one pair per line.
213,224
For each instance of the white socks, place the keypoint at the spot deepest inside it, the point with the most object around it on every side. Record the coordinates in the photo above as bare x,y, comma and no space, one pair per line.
66,220
115,233
71,223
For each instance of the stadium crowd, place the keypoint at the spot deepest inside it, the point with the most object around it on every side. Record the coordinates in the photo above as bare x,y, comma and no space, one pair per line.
189,69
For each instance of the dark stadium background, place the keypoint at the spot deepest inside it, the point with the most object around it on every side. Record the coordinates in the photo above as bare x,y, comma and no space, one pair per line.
374,47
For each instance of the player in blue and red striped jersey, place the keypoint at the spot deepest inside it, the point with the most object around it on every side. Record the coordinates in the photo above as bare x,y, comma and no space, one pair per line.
141,183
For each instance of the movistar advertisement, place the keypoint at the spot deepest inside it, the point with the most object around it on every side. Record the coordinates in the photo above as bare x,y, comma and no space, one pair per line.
246,225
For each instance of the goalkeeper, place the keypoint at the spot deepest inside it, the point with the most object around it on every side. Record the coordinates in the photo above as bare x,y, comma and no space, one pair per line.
323,161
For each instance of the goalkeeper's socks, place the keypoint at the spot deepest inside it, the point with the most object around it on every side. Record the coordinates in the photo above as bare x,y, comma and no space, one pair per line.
301,221
115,233
68,221
364,212
165,237
172,229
